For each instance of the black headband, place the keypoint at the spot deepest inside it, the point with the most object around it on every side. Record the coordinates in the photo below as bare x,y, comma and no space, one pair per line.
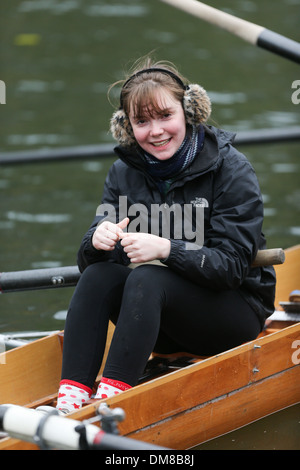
153,69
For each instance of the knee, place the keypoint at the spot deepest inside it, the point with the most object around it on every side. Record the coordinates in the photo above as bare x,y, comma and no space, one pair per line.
103,275
92,274
146,277
143,296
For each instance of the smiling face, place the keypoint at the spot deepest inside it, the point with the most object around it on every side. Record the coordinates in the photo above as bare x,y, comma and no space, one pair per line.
159,129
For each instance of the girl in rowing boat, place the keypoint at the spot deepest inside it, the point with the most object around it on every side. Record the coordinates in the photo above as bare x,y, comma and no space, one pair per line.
182,196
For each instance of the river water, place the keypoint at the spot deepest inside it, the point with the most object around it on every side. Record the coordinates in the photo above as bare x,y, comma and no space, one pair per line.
58,59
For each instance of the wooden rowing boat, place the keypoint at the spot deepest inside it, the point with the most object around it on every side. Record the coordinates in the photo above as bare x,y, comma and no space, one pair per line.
189,405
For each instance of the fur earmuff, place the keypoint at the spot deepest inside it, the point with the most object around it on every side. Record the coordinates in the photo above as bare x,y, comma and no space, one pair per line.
121,129
196,105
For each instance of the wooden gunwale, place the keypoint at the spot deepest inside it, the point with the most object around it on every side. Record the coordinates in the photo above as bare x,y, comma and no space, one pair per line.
222,393
223,414
153,407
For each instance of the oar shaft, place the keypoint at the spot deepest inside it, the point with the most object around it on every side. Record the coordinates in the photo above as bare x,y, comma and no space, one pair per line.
250,137
242,28
68,276
32,279
250,32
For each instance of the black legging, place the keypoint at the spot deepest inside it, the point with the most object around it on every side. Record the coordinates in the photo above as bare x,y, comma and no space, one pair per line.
154,309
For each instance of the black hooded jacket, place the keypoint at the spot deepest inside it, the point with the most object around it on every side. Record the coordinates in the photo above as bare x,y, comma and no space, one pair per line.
221,181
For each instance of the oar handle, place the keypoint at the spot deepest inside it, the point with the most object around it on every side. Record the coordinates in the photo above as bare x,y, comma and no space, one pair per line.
269,257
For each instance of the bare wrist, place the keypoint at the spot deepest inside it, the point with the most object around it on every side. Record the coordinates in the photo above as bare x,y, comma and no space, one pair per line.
166,248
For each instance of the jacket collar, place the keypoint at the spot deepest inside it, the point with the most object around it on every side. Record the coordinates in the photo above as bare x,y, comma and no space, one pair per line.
208,159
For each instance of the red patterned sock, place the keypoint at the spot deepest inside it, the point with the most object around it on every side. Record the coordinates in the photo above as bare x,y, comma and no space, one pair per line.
110,387
72,395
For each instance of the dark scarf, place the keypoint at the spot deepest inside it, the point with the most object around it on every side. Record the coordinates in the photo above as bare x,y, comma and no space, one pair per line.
164,172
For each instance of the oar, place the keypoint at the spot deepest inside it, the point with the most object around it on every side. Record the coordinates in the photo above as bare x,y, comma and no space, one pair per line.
49,278
33,279
250,32
88,152
51,431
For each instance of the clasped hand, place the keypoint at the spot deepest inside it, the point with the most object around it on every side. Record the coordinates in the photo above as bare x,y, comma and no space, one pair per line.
139,247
